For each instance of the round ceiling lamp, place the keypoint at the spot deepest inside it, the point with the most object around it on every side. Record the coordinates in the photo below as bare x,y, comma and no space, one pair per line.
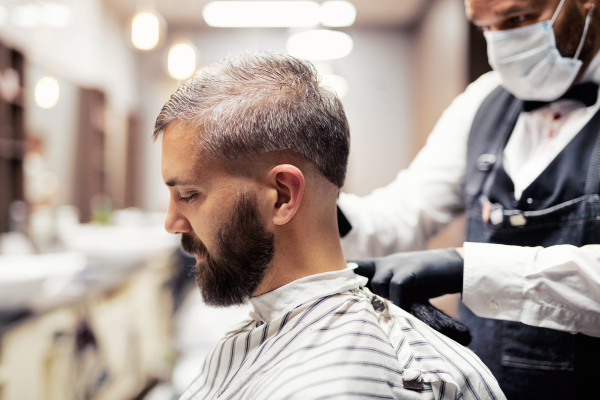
181,60
146,27
47,92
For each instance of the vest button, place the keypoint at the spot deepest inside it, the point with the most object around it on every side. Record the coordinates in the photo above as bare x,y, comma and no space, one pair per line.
485,162
517,220
493,306
471,189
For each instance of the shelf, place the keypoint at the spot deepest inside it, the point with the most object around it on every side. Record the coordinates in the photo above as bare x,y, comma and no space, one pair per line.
12,131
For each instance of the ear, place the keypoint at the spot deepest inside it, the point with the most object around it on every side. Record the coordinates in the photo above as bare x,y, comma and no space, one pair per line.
588,5
289,184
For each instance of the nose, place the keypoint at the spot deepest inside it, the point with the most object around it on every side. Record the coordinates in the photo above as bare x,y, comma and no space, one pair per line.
175,222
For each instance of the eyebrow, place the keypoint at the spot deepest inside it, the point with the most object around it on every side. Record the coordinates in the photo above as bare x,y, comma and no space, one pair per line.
177,182
516,9
510,11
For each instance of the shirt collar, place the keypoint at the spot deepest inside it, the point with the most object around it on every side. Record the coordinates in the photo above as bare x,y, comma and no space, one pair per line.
592,74
273,304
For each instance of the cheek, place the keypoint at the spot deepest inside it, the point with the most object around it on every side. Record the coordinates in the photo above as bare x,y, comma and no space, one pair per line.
266,209
204,229
207,220
568,30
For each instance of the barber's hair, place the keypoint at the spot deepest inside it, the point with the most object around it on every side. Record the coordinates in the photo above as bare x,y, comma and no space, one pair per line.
260,102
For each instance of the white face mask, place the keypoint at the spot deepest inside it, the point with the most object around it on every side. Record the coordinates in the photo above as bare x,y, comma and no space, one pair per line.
529,64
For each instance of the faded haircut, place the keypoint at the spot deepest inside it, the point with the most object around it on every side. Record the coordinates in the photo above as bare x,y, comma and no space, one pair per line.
260,102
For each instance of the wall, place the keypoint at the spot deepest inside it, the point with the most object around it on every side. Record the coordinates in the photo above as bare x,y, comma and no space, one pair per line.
91,51
440,63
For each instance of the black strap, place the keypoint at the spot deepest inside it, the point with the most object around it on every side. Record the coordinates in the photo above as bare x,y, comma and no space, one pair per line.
592,182
492,126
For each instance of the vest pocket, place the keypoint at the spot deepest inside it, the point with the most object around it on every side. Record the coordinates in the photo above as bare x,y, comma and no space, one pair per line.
533,348
516,362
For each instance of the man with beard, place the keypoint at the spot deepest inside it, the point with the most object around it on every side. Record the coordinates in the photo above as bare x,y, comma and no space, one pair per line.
254,152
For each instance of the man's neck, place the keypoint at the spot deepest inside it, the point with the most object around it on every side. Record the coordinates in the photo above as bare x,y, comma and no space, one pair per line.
303,254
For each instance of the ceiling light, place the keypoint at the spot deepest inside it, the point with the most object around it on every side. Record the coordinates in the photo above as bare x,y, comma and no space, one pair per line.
3,15
145,30
181,60
337,13
267,14
46,92
320,45
26,16
55,15
337,83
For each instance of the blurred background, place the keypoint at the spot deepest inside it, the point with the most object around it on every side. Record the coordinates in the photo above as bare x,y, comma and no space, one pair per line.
96,299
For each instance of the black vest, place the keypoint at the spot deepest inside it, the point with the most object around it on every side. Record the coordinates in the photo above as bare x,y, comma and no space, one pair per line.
562,206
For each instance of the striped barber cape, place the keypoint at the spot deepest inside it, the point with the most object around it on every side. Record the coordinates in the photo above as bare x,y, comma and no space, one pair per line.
326,336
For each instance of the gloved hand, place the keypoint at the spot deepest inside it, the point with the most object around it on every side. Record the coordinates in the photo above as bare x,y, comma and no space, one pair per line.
414,277
411,279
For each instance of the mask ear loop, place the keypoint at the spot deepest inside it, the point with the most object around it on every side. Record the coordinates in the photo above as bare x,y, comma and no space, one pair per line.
557,12
585,29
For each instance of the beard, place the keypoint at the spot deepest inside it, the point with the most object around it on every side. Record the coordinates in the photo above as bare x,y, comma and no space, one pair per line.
230,273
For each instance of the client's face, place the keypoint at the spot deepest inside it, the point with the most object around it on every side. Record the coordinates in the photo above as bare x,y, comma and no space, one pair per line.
217,212
242,251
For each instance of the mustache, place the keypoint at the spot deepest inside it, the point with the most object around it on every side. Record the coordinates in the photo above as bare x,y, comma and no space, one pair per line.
193,245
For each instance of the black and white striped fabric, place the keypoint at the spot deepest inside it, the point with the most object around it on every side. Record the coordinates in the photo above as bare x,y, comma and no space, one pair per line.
327,337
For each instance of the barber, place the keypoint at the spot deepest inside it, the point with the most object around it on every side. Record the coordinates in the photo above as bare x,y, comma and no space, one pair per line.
519,153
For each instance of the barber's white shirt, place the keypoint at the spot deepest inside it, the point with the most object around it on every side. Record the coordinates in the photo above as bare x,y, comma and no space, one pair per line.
555,287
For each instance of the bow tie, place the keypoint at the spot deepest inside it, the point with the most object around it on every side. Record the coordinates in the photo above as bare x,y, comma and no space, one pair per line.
587,93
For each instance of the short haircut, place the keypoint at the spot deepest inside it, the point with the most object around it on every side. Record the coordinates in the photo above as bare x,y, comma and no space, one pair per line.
260,102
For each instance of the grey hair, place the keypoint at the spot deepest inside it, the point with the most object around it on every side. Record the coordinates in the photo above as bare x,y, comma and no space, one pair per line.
260,102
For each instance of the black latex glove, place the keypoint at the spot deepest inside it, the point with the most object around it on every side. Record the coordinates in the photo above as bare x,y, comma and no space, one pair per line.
411,279
414,277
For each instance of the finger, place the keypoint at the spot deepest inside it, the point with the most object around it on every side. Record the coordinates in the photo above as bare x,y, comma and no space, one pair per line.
365,268
401,290
381,281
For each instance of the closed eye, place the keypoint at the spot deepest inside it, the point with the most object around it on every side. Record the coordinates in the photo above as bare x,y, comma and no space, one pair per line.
188,198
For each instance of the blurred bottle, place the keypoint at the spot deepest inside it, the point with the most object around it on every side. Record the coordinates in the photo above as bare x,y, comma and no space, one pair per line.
42,229
18,215
101,210
16,241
